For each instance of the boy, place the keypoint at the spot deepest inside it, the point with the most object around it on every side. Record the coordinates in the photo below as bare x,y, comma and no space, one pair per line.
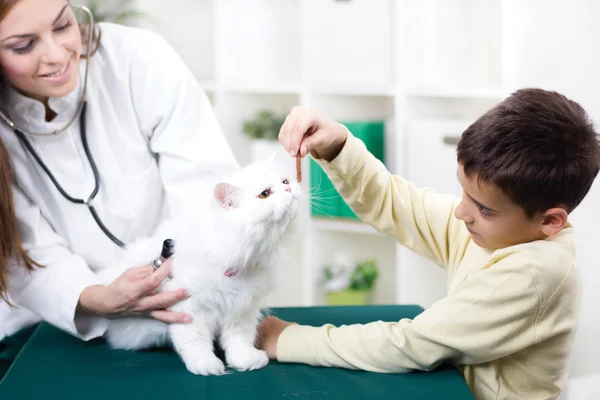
512,306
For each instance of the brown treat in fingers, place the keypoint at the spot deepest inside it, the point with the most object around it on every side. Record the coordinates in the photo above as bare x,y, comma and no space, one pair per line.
298,168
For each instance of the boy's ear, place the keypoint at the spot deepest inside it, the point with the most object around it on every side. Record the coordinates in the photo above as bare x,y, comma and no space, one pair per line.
555,219
225,195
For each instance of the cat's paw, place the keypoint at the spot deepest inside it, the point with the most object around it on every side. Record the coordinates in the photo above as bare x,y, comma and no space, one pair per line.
247,359
206,366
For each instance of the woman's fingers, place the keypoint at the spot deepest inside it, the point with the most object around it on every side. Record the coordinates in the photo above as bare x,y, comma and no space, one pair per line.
152,281
142,272
171,317
162,300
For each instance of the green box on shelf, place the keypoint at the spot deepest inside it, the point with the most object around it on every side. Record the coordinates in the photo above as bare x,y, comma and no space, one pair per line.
372,133
324,198
328,201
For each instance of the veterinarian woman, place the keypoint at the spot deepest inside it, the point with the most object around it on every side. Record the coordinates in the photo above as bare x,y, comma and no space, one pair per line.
98,155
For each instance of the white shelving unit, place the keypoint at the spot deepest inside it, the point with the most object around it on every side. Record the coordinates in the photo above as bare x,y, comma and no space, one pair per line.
354,59
429,67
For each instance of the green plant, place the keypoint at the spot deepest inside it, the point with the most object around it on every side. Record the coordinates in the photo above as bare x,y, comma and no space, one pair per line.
344,274
265,125
364,276
120,12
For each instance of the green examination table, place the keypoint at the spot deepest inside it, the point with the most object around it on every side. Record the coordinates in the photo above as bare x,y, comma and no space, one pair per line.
55,365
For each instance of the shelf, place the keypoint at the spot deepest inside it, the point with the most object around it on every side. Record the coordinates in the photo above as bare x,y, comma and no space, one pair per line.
327,90
286,88
352,90
341,225
459,93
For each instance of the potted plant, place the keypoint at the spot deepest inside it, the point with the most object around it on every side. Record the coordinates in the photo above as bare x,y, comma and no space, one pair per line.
263,130
350,283
119,12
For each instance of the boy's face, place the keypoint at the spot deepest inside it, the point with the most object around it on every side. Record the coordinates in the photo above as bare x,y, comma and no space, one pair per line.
493,219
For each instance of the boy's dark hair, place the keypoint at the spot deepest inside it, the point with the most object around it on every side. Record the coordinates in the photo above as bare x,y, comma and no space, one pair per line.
537,146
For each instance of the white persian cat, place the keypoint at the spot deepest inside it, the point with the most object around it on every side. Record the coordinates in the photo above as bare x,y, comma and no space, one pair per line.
223,252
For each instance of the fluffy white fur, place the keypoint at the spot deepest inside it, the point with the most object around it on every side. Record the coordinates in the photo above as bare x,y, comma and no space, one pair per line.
233,226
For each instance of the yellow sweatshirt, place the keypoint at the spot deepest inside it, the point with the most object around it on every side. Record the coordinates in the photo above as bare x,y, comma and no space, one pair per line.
508,320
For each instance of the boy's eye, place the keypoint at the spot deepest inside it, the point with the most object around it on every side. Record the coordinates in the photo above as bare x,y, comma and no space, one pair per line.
264,194
484,211
286,182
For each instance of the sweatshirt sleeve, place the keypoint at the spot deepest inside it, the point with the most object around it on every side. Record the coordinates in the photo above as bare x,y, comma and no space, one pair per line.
420,219
493,313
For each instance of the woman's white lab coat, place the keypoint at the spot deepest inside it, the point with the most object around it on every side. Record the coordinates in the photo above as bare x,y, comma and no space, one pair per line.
153,135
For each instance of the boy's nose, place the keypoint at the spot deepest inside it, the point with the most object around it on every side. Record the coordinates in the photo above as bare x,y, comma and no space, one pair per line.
460,213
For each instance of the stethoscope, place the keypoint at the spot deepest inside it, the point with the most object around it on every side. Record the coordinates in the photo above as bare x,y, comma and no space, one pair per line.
81,112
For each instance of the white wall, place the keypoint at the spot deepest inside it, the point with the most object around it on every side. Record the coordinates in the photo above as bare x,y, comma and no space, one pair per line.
554,45
546,43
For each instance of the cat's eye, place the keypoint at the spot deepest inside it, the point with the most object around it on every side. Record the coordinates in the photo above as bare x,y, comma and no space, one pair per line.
286,182
264,194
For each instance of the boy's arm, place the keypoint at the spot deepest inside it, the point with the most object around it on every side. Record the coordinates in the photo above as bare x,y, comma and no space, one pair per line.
420,219
488,316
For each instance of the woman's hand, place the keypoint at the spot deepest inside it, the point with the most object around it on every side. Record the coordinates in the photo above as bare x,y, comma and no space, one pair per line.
304,131
269,331
133,294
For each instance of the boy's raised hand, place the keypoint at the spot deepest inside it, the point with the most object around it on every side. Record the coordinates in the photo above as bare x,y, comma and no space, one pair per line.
304,131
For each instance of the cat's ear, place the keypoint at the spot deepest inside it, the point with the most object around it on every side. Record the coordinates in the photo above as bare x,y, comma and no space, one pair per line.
225,195
272,158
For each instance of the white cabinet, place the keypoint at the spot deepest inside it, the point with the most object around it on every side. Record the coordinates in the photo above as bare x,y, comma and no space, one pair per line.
188,27
452,43
397,61
429,67
346,42
430,162
554,52
430,145
257,42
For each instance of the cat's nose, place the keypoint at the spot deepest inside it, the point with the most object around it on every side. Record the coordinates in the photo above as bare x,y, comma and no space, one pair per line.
288,189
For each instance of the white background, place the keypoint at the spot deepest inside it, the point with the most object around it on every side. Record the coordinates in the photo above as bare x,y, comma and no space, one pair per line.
429,67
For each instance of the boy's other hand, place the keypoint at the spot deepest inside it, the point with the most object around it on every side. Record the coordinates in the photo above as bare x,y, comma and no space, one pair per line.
269,331
304,131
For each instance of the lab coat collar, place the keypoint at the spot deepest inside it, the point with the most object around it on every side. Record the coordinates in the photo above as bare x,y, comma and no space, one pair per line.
30,114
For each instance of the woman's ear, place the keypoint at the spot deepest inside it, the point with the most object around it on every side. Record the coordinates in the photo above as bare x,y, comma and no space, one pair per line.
555,219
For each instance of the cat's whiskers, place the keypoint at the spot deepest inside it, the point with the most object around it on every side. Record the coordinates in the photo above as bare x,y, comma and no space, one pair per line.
325,213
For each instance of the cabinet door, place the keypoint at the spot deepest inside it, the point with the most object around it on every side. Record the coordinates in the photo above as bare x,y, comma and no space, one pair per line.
346,42
431,154
189,19
431,162
435,38
257,42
